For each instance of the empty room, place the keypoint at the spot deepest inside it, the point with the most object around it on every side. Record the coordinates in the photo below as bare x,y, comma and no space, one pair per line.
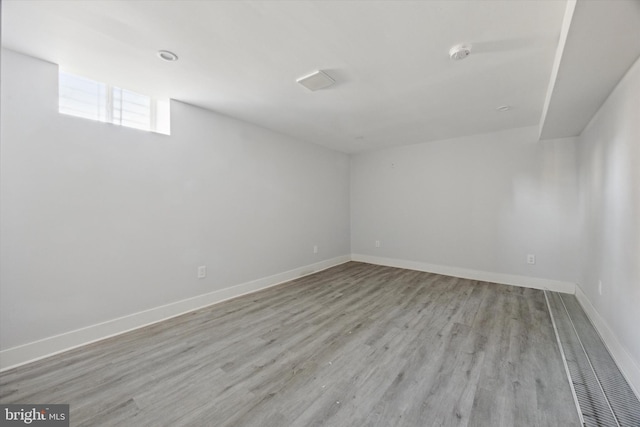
310,212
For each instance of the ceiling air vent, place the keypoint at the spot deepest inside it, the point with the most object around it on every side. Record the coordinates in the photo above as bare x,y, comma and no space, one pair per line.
316,81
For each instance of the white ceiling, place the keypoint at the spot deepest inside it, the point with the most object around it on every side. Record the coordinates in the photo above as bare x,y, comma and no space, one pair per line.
602,42
395,82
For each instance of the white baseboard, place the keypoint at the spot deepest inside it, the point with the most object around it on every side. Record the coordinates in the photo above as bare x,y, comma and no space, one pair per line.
40,349
625,362
485,276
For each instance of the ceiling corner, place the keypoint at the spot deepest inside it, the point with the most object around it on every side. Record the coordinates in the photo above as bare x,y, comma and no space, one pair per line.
599,42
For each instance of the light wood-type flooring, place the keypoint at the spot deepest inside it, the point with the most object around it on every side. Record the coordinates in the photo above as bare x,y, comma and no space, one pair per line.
354,345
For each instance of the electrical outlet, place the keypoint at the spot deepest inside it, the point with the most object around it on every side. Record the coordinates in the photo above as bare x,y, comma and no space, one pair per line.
315,249
202,272
531,259
378,243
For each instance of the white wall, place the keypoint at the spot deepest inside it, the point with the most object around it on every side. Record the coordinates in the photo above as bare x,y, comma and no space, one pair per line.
477,204
99,221
609,183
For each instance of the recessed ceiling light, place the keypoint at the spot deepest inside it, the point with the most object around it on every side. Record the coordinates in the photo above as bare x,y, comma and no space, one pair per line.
167,56
316,80
459,51
503,108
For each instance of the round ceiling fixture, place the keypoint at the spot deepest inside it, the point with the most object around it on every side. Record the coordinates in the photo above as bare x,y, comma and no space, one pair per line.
503,108
459,51
165,55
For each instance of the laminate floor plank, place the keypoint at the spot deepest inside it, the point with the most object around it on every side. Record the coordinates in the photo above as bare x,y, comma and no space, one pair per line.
356,345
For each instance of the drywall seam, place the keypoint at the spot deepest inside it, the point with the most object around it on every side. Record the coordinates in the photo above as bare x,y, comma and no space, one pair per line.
50,346
485,276
630,370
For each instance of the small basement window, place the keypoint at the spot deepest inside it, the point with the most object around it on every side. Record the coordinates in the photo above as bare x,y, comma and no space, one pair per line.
89,99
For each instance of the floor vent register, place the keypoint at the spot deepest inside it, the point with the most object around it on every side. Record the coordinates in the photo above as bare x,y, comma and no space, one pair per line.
602,395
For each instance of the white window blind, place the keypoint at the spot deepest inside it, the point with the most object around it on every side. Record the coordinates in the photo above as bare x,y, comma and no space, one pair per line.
86,98
131,109
82,97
